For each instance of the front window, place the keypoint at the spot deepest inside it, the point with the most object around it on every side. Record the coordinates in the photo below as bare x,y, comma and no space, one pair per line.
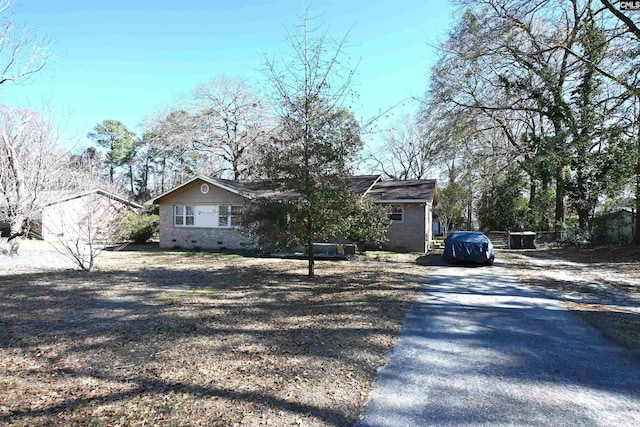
223,216
229,216
207,216
396,214
236,213
183,216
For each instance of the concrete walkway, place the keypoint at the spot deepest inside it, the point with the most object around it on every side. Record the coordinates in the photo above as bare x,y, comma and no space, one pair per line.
479,348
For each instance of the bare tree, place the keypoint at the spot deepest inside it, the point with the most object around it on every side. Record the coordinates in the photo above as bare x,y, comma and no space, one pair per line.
230,122
31,160
168,153
84,229
408,152
22,52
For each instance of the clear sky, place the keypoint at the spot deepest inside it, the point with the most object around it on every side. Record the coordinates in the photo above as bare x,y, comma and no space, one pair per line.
126,60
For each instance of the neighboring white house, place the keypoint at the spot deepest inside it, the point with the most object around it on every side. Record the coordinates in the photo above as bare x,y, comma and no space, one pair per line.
76,214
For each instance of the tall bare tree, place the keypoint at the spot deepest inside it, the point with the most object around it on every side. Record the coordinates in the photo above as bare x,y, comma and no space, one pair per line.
31,162
408,151
22,52
230,121
169,152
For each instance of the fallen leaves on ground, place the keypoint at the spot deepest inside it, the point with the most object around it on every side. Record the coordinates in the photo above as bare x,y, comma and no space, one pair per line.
163,338
604,282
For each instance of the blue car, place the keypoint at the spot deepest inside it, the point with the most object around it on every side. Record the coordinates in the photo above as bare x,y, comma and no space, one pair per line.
468,247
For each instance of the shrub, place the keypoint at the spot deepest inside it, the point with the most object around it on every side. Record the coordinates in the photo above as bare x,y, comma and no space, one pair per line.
138,227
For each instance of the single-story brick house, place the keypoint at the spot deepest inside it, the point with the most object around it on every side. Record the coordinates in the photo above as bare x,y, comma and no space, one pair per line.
204,212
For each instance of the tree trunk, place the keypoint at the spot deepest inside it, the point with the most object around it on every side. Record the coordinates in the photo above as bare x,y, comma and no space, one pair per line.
131,179
559,219
583,198
17,231
311,259
636,234
469,213
532,193
18,221
162,173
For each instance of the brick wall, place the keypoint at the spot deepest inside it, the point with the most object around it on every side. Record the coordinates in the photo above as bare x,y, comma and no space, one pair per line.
412,234
200,237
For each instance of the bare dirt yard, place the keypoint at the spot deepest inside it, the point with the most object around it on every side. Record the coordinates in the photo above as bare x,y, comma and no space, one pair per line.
600,284
181,338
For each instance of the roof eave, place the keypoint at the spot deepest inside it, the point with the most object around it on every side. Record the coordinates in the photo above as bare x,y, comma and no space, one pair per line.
401,201
206,179
99,191
378,179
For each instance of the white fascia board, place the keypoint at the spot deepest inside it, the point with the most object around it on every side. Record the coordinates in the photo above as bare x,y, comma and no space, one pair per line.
153,201
215,182
206,179
402,201
371,186
94,191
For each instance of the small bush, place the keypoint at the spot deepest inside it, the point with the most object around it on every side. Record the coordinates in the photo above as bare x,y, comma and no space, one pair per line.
138,227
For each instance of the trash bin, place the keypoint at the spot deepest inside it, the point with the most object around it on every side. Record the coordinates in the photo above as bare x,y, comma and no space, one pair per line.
529,240
515,240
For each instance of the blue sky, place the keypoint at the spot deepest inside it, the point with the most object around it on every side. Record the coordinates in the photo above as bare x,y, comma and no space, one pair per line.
127,60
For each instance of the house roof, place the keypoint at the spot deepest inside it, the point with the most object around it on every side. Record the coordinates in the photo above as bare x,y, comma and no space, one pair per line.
409,191
232,186
56,197
360,184
370,185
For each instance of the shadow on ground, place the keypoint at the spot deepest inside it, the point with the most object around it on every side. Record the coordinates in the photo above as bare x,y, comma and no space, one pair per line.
231,337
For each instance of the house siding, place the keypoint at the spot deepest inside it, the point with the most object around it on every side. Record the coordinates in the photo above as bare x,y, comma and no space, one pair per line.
413,233
200,237
69,219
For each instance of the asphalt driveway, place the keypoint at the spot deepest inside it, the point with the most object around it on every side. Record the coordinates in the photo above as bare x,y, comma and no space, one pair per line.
480,348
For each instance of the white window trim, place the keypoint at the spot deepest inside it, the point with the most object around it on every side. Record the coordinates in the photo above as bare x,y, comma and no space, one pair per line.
218,208
229,209
184,216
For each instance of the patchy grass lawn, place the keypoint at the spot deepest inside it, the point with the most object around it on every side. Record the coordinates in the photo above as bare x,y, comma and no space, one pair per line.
600,284
178,338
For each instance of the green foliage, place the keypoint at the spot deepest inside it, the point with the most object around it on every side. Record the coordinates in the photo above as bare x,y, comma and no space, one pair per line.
613,227
308,165
138,227
283,223
572,234
119,142
318,138
269,220
502,207
308,161
540,212
452,201
367,221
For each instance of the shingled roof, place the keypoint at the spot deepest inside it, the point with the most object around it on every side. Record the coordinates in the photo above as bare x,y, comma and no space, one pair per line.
422,190
369,185
359,184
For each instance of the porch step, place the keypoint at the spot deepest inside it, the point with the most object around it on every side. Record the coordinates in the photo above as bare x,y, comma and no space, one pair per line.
437,245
